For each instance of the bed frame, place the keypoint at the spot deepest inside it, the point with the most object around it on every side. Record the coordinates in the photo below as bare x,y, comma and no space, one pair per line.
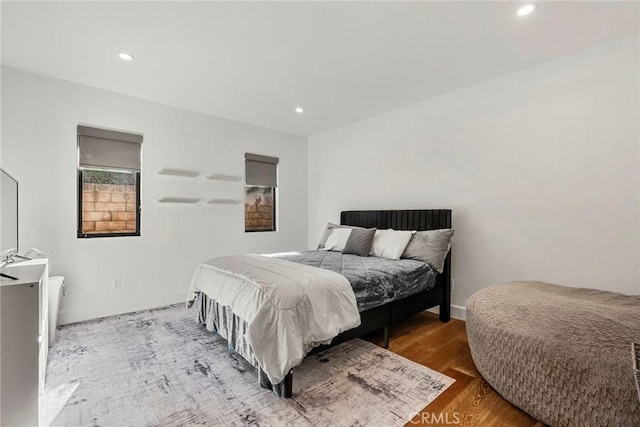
382,317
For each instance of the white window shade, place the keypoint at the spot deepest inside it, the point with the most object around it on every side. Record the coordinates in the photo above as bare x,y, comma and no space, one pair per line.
106,149
261,170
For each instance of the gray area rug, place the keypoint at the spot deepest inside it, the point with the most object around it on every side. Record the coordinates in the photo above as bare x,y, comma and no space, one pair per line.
158,367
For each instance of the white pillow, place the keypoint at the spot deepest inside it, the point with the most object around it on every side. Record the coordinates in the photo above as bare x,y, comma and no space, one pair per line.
390,243
337,240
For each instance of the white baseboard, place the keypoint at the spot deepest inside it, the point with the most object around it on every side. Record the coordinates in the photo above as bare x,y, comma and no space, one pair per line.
457,311
95,311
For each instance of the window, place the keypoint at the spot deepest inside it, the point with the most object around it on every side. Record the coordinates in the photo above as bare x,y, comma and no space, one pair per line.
260,193
109,165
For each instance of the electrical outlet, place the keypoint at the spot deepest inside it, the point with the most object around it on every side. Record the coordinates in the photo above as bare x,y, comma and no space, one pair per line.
453,284
116,283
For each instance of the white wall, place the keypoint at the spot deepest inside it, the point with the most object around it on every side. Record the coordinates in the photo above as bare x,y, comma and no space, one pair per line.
39,119
540,167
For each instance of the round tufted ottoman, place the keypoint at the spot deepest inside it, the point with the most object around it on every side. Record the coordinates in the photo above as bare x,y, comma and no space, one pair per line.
561,354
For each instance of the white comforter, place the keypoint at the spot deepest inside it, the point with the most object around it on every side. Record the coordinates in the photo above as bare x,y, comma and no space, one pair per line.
289,307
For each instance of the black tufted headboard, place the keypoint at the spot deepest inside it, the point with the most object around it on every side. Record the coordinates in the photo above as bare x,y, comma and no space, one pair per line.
416,219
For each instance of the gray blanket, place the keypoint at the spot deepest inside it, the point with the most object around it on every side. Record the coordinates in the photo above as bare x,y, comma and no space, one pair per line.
375,281
289,307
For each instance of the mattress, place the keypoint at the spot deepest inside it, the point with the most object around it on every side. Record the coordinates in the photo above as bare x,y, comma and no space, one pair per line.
375,281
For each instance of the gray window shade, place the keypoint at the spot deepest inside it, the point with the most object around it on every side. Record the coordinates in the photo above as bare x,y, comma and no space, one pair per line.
261,170
107,149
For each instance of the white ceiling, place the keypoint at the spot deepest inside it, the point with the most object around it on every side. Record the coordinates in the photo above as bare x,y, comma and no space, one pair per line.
255,62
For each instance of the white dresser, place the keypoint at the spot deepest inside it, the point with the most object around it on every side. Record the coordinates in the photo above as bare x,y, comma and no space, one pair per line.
24,342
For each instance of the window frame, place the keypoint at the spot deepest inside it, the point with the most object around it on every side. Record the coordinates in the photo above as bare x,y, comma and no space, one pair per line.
275,221
138,211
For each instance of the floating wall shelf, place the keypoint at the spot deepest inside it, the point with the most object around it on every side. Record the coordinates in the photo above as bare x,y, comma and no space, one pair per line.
179,172
225,201
223,177
178,200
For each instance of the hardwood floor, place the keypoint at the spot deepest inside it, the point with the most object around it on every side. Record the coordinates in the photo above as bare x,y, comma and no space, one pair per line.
470,401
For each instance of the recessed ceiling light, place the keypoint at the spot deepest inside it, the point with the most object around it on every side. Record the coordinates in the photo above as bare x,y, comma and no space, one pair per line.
299,110
126,56
527,9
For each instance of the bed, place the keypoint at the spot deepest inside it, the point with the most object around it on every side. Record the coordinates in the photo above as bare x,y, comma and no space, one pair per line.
385,292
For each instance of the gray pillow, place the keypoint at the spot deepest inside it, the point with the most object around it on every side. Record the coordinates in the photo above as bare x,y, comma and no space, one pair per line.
360,241
430,246
327,231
